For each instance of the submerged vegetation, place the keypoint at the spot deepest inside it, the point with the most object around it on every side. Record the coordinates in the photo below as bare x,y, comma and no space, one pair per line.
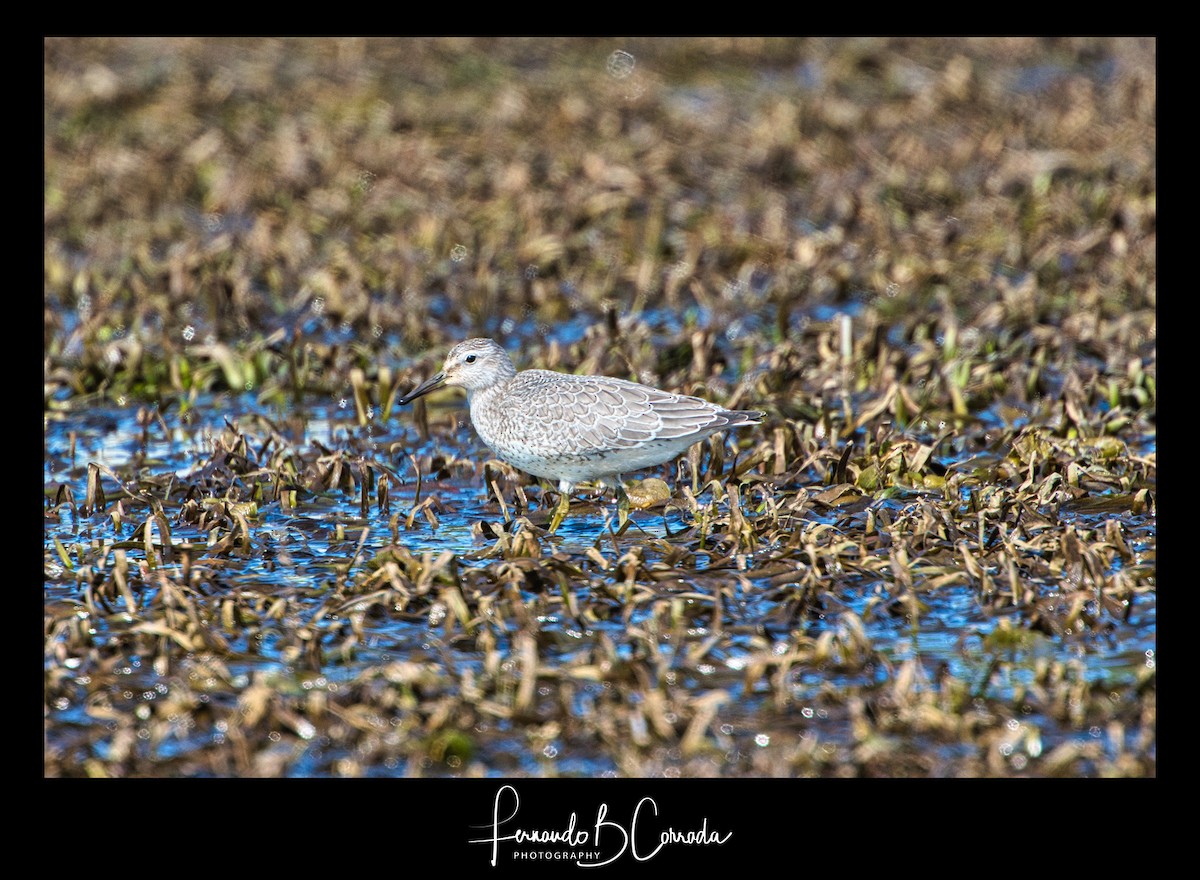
931,262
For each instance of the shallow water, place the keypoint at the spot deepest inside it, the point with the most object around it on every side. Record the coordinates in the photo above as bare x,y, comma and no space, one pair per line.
299,552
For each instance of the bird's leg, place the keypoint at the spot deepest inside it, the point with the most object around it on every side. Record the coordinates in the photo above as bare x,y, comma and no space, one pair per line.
560,509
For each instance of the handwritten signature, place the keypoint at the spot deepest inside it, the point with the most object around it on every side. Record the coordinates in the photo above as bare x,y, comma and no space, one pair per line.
602,844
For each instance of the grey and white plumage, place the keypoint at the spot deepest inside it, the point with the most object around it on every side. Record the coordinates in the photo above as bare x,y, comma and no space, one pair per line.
574,429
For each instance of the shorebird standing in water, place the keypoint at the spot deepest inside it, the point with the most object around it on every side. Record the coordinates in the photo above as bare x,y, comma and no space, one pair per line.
574,429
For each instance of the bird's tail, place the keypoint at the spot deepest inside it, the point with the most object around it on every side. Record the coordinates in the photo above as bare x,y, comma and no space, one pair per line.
738,417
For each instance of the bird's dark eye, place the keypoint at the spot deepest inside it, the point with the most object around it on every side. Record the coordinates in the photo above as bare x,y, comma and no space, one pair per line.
470,359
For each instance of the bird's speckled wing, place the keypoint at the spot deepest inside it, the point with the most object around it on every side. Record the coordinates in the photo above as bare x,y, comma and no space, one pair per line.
587,414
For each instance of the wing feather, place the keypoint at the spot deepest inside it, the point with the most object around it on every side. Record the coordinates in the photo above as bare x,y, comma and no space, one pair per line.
590,414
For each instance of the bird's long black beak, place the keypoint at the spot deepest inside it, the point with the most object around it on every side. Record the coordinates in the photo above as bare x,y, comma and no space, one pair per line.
433,383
